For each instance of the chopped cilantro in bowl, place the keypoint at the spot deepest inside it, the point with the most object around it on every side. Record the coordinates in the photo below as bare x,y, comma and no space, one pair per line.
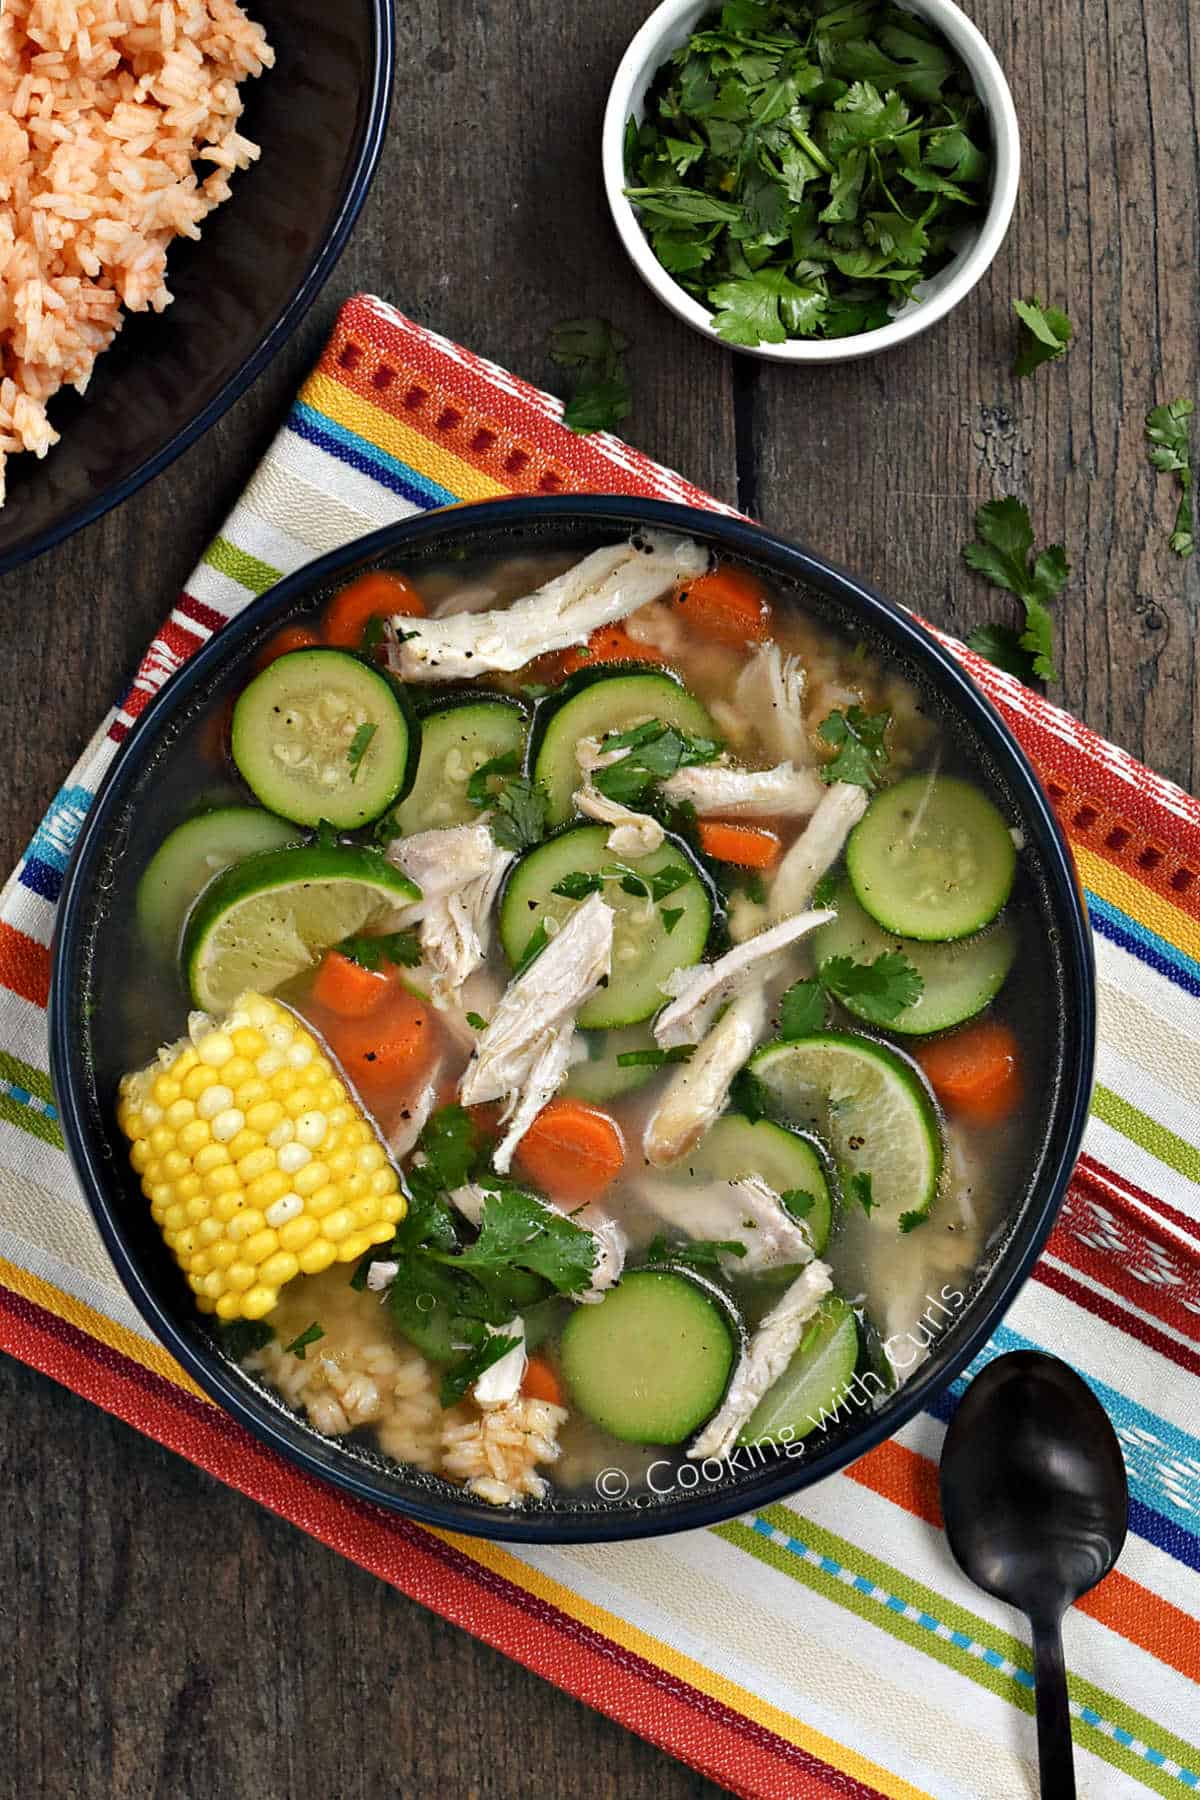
791,175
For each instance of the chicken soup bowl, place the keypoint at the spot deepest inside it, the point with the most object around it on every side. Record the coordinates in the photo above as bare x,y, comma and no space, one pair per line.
573,1017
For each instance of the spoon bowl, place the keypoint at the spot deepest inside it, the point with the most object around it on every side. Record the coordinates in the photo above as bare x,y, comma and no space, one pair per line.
1036,1504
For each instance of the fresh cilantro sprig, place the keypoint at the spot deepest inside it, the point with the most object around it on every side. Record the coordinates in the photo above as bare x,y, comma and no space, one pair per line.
360,743
594,350
463,1375
910,1221
802,164
859,1188
654,752
859,739
692,1253
517,806
1004,556
1045,335
401,948
1169,430
655,1059
299,1346
880,991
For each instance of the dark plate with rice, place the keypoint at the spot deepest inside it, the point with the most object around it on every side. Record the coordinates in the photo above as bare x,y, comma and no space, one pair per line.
240,282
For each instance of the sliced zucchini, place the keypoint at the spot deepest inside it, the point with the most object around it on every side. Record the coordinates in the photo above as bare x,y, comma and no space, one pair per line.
960,978
322,735
871,1106
602,1077
188,858
932,858
456,741
645,951
608,703
735,1147
813,1387
651,1361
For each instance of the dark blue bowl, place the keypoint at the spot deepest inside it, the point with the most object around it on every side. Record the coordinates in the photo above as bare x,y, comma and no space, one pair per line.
319,116
90,959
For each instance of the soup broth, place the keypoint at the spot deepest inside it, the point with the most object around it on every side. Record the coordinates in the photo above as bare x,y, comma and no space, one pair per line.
674,988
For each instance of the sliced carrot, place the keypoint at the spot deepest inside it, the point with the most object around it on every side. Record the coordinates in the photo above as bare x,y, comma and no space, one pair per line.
976,1071
379,595
292,637
749,846
730,606
572,1151
346,988
609,644
392,1049
540,1382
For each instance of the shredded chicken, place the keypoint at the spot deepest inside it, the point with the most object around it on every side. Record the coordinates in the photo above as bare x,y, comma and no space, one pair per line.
770,1351
699,1089
633,833
501,1383
612,1245
607,585
698,992
415,1117
747,1211
784,792
459,871
524,1054
817,848
770,691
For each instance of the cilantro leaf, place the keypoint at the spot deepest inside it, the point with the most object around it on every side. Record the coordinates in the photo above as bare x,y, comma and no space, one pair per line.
1003,555
1001,645
242,1337
575,885
654,1059
534,945
654,752
909,1221
765,308
360,743
798,1202
312,1334
1045,335
476,1021
858,1188
594,349
801,1010
401,948
518,818
858,737
483,781
449,1144
463,1375
671,916
1168,429
692,1253
881,990
517,1229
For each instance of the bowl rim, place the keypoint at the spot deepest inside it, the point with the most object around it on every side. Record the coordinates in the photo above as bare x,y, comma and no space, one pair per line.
271,1424
317,273
646,48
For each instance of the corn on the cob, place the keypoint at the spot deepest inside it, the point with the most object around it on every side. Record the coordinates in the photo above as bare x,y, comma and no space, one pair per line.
257,1160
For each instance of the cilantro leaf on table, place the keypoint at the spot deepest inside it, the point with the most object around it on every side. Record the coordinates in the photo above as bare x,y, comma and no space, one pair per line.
803,164
1045,335
1004,556
858,736
1001,646
1168,429
402,948
881,990
594,350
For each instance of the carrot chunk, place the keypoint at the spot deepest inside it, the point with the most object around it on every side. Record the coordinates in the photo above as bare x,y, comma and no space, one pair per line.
976,1071
378,595
292,637
748,846
729,606
391,1050
609,644
572,1151
346,988
540,1382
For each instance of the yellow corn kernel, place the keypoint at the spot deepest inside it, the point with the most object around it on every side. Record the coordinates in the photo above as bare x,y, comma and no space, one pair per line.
257,1162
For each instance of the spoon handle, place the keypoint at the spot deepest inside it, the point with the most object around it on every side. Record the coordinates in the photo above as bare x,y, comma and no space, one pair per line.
1056,1758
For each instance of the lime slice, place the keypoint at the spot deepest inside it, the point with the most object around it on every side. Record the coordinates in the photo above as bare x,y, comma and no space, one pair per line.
871,1107
273,915
812,1389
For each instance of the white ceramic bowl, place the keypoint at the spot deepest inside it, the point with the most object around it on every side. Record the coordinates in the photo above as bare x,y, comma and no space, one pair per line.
669,26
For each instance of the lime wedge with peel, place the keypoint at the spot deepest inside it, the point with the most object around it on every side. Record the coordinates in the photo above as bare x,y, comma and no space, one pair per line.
870,1105
272,916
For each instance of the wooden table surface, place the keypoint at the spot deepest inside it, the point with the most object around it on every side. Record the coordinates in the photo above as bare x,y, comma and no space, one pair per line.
165,1637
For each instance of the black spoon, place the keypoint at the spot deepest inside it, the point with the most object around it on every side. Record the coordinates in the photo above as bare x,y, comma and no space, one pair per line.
1036,1503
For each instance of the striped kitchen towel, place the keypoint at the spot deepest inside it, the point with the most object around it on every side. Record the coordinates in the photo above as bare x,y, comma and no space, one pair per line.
824,1647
